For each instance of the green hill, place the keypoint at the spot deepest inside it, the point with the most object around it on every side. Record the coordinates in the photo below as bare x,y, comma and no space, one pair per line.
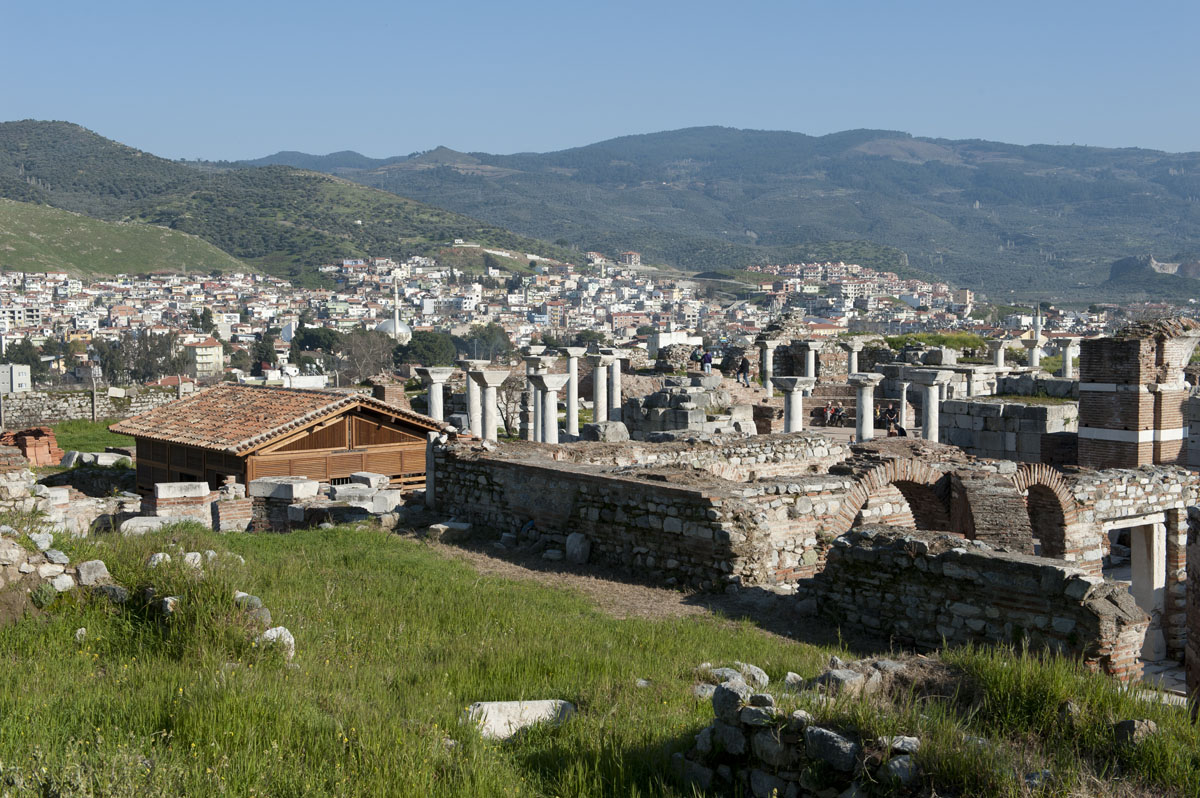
38,238
1034,220
279,218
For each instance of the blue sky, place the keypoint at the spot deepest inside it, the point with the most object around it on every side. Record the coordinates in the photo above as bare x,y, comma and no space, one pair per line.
239,80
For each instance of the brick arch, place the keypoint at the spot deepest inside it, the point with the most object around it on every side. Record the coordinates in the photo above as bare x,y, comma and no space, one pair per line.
1052,509
924,489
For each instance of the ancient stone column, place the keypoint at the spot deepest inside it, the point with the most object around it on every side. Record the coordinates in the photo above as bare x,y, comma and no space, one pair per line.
903,405
997,348
614,388
431,441
488,382
766,360
864,410
931,381
1034,346
573,353
474,406
1069,347
534,365
810,359
548,386
793,400
435,378
600,364
853,347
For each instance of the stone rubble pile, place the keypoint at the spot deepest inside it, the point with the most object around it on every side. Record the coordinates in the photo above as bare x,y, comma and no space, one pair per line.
755,748
45,573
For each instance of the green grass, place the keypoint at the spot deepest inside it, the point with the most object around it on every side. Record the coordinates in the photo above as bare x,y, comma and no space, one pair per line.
38,238
88,436
395,640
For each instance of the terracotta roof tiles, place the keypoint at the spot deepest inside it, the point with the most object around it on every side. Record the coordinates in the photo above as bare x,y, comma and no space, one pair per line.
239,418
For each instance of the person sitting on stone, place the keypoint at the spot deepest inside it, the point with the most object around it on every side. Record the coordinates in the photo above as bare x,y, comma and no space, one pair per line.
828,413
891,418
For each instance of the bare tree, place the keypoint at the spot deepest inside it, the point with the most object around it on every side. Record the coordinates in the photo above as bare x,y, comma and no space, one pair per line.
508,401
366,353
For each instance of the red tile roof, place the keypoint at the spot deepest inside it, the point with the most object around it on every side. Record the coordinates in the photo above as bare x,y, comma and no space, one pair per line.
239,418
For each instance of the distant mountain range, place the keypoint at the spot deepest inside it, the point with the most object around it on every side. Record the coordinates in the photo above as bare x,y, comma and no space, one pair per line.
278,218
1036,221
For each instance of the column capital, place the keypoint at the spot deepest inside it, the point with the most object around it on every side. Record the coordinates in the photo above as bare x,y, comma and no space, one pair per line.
767,343
573,351
468,365
539,362
1033,343
853,344
995,344
600,361
532,349
488,379
930,376
549,382
435,375
791,384
865,379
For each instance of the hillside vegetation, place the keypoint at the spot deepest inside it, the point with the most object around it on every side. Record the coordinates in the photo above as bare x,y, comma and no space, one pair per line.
280,218
394,639
1036,220
38,238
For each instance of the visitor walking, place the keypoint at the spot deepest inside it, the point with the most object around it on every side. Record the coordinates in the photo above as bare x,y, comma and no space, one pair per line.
743,371
706,363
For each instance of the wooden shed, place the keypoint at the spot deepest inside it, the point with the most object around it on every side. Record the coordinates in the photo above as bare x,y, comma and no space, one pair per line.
249,432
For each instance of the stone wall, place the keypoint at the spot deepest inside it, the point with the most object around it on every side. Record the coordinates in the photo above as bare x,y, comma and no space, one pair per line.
39,408
927,590
674,533
1003,430
1037,384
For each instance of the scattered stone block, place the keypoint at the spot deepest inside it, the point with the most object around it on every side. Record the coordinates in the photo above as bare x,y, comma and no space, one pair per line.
831,748
92,572
371,480
578,548
500,720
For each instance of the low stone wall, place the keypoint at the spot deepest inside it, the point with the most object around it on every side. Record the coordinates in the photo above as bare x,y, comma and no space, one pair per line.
928,590
1030,384
38,408
732,457
1003,430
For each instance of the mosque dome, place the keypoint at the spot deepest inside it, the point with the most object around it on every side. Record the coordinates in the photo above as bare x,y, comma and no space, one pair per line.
402,335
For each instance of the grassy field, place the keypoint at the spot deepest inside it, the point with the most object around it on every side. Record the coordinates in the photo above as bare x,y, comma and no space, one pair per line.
38,238
395,639
88,436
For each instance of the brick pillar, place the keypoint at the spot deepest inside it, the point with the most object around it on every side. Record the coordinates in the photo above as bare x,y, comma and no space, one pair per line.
1131,401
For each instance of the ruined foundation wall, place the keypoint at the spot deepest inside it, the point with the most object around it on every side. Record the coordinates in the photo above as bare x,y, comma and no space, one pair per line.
676,535
927,590
735,458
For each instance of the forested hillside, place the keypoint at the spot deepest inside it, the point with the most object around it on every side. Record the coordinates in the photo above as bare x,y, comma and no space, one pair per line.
1034,220
279,218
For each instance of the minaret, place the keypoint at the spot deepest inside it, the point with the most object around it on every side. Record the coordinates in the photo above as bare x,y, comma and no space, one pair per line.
395,307
1037,321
